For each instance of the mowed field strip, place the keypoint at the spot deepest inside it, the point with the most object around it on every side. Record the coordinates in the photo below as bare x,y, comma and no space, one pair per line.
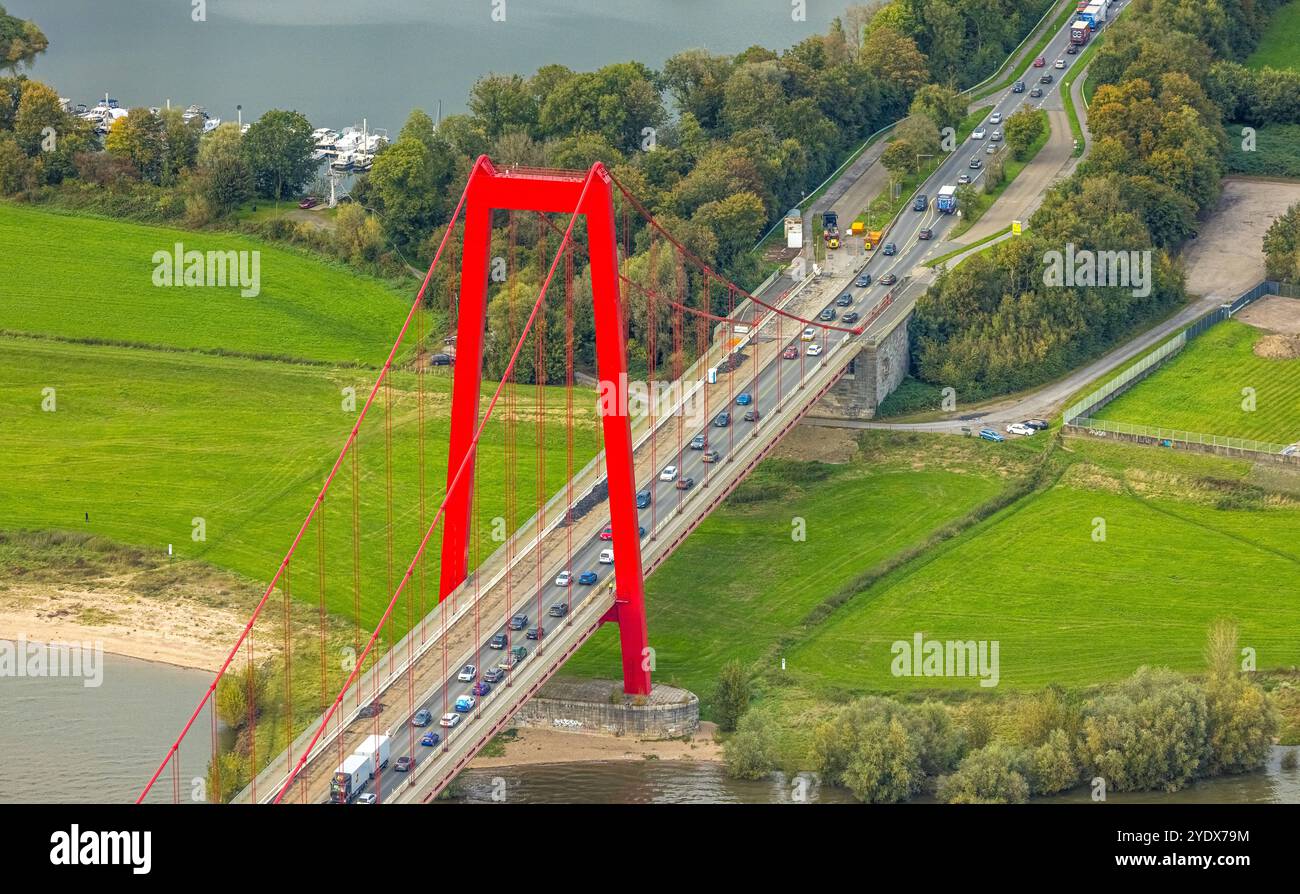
1204,389
146,441
1070,609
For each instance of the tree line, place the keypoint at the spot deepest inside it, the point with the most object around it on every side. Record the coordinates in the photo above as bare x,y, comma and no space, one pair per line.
716,146
992,325
1157,730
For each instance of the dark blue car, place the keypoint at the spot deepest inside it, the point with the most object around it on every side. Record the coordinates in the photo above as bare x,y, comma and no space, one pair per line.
587,577
482,687
642,499
430,739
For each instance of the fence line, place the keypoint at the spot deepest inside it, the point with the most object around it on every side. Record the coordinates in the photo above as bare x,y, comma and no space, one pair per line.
1171,435
1079,415
1113,388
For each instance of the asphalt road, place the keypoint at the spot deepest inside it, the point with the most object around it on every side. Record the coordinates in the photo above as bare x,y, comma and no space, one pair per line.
775,380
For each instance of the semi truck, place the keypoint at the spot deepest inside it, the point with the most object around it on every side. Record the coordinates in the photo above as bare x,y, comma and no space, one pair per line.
1079,33
947,200
350,778
1094,15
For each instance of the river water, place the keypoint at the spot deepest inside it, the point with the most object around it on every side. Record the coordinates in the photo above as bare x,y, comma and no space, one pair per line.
692,782
65,742
337,61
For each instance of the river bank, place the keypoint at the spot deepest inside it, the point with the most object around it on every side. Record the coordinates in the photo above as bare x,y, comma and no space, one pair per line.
74,587
530,747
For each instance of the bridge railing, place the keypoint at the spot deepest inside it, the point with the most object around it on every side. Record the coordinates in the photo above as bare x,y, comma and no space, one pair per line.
394,662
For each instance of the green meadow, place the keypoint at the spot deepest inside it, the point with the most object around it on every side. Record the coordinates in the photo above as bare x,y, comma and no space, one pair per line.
1203,389
92,279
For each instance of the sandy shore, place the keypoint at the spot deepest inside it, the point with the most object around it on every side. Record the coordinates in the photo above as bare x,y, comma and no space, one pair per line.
171,633
535,746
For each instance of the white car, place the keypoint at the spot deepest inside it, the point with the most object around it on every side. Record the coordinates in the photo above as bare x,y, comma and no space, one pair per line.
1060,63
449,719
564,578
809,334
467,673
366,798
1291,450
1019,428
995,118
978,134
607,557
814,349
668,474
995,136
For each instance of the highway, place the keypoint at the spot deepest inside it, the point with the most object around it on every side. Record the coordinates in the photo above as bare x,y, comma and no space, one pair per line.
763,372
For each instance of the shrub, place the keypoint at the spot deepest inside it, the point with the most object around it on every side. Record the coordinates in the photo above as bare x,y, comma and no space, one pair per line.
1241,720
1052,767
749,753
731,698
995,774
1151,734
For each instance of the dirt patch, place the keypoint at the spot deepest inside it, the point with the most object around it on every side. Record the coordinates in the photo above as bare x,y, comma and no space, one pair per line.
1273,314
532,746
1228,258
1278,347
813,443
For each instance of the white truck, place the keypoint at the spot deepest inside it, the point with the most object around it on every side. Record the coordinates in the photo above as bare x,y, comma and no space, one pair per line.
375,749
947,202
350,778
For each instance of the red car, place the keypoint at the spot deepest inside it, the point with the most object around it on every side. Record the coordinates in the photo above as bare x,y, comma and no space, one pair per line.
790,353
309,202
1039,62
607,533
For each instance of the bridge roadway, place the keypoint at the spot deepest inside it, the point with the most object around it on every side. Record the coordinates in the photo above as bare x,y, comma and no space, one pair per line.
426,675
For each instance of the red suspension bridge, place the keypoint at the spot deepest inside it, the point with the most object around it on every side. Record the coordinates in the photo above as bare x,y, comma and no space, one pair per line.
284,711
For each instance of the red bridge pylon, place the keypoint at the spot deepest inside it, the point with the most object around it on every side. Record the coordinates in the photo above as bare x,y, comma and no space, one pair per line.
523,189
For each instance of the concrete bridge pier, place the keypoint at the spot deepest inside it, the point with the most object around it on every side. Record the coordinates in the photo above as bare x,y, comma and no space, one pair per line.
879,368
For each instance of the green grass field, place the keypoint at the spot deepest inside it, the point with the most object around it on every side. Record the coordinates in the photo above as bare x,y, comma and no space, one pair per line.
1188,539
1200,390
1070,610
87,278
741,583
1277,48
145,441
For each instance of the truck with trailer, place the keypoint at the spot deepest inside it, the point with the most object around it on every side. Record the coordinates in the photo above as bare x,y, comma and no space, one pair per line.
947,200
350,778
1094,16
